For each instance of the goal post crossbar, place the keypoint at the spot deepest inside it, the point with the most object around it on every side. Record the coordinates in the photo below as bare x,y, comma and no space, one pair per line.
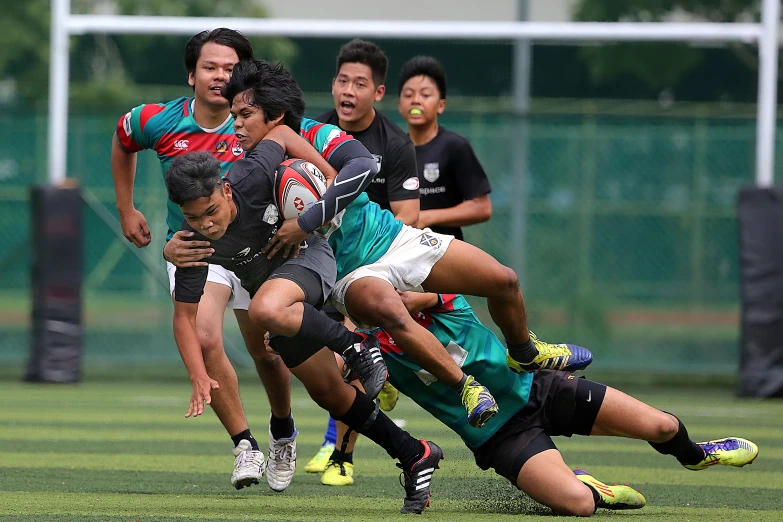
764,34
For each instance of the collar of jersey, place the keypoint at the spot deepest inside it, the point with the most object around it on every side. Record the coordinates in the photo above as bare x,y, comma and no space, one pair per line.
193,115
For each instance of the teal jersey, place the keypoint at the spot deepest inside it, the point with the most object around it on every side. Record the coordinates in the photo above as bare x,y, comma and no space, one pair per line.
171,131
477,351
363,232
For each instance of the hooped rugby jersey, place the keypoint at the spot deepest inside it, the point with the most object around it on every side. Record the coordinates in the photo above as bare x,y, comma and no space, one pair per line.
171,131
477,351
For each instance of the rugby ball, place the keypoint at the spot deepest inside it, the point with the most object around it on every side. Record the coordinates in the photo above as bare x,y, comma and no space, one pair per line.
298,185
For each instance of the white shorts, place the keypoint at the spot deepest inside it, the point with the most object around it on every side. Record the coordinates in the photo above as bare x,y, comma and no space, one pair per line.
240,298
405,266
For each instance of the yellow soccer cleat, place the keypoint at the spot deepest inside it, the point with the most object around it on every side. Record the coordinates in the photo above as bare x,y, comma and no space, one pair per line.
731,451
479,403
318,463
337,474
612,497
564,357
387,399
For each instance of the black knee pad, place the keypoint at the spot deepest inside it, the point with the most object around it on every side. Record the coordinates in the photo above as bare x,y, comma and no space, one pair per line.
293,350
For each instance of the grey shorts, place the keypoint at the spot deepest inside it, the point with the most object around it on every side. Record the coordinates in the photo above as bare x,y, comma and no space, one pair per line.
313,270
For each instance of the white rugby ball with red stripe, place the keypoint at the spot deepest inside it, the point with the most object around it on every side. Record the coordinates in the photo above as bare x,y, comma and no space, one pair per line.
298,185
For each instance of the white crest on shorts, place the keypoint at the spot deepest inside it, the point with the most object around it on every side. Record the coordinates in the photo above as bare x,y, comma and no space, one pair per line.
271,215
431,172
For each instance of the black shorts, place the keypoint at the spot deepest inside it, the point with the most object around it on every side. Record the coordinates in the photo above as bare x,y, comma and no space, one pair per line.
560,403
295,351
311,282
333,313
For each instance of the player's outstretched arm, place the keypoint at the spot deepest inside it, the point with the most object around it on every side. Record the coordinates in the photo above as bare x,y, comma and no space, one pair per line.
123,170
190,350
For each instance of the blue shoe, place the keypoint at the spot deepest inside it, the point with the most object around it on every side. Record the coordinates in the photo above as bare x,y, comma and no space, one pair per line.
564,357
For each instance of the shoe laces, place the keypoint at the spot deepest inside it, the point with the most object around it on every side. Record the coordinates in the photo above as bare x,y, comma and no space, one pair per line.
281,453
338,464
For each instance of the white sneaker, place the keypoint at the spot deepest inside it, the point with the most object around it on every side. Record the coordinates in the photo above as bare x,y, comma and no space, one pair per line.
281,463
248,465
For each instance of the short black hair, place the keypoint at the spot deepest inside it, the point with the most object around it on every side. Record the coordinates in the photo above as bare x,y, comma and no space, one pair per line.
192,176
273,88
367,53
221,36
424,66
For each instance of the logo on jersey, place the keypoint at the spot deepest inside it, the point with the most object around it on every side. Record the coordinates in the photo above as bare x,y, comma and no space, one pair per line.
428,240
236,150
334,133
241,253
271,215
221,147
181,145
378,160
431,172
126,125
411,184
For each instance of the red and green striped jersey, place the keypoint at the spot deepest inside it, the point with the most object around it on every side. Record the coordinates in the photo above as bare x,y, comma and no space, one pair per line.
170,130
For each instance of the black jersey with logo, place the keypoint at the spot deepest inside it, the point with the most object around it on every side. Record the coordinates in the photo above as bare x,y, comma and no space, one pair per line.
257,220
449,173
395,155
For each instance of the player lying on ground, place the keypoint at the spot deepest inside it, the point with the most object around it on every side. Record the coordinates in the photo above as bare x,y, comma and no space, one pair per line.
237,215
376,254
535,406
189,124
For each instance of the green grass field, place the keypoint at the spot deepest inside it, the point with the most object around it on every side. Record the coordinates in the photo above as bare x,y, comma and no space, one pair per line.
122,451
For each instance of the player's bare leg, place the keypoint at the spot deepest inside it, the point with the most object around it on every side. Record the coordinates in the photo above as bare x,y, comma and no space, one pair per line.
465,269
623,416
226,403
270,367
547,479
209,325
375,302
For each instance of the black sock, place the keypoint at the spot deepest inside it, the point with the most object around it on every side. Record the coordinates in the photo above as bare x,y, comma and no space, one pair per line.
247,436
461,384
681,447
524,353
339,456
365,417
281,428
317,326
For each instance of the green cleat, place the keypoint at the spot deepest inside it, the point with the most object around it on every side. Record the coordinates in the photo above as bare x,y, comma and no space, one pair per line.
726,452
337,474
387,399
318,463
612,497
479,402
564,357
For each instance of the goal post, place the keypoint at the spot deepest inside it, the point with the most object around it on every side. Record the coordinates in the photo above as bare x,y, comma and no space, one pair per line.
764,34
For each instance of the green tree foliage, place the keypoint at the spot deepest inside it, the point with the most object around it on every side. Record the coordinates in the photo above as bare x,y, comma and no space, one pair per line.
657,64
109,69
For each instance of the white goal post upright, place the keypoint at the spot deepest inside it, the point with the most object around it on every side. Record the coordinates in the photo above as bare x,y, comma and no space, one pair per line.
64,24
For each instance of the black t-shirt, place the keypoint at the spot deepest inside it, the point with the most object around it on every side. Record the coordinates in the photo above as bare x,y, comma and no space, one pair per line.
395,155
449,173
257,220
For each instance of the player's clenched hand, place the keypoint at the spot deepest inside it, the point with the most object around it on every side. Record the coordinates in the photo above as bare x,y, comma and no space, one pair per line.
269,345
416,301
181,252
286,240
135,228
202,393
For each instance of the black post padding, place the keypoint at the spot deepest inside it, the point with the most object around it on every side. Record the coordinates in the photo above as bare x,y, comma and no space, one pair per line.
56,277
760,217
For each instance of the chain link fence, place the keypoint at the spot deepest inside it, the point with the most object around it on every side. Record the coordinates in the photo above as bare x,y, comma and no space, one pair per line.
622,229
